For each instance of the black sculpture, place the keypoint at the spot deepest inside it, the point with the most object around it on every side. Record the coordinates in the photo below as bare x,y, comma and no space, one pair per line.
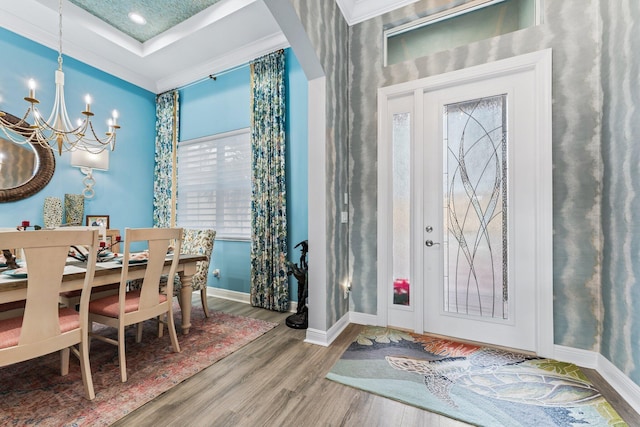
10,259
300,320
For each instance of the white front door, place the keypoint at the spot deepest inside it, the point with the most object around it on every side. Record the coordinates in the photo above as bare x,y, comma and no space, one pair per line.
480,198
469,227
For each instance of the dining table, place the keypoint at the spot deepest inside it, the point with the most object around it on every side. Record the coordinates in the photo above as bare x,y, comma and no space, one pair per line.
109,272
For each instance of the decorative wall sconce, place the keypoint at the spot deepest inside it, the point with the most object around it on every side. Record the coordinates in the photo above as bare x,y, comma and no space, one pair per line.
87,162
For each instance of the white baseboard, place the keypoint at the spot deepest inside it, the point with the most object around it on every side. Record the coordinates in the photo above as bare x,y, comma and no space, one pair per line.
584,358
241,297
629,390
229,295
363,318
317,337
325,338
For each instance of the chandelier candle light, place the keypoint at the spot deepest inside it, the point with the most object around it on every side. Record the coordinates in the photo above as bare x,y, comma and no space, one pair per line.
57,132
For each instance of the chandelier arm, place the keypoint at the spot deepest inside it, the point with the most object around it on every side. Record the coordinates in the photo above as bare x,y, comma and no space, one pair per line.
12,125
102,142
57,132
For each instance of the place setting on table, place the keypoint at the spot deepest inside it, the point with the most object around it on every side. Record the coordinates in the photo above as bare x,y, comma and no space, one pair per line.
14,273
13,268
104,251
9,264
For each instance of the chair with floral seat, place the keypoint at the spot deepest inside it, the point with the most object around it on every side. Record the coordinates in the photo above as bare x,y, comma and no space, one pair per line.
198,242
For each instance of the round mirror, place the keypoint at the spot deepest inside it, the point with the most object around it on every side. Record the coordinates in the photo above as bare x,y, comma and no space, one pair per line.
25,169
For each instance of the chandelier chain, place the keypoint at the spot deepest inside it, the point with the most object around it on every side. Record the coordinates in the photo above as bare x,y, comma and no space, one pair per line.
60,35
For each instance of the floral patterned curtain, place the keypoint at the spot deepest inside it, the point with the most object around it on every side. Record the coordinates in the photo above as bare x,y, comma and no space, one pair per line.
164,173
269,284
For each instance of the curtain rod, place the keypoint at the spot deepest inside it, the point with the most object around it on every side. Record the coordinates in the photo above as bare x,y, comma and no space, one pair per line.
213,76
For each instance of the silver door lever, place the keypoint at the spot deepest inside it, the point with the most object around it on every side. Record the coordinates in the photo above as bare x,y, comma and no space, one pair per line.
430,243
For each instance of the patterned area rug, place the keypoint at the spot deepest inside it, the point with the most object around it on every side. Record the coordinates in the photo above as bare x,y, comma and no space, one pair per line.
34,393
478,385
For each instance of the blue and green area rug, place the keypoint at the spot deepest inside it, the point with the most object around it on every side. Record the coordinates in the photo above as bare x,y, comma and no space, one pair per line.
478,385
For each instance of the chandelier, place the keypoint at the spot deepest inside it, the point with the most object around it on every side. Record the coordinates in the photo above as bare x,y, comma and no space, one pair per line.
57,132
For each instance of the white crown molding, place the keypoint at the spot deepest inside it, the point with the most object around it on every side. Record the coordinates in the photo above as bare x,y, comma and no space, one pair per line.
356,11
76,16
97,44
209,16
40,34
229,60
16,24
100,62
194,24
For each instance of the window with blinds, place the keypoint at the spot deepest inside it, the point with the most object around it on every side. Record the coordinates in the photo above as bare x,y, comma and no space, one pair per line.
214,184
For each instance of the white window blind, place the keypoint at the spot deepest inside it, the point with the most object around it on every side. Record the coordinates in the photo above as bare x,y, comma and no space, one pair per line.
214,184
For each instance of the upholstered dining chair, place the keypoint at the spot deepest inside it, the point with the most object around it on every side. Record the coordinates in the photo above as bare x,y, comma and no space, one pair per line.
198,242
44,327
147,302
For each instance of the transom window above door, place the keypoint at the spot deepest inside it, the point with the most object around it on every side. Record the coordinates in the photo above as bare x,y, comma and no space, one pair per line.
470,22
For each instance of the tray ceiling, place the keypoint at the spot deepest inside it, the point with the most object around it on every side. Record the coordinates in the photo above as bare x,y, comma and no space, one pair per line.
161,15
182,41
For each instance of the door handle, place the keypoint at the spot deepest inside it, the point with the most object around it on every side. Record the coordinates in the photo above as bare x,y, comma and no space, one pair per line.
430,243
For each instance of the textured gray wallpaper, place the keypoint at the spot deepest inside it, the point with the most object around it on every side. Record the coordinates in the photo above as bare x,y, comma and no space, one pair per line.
328,32
571,29
620,204
596,134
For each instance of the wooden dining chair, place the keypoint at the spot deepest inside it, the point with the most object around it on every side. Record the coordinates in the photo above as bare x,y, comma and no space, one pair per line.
147,302
44,327
194,242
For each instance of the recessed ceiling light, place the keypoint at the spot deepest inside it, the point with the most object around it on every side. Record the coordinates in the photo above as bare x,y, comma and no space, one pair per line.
137,18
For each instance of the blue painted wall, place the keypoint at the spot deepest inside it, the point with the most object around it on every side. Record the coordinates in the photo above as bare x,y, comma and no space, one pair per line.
125,192
215,106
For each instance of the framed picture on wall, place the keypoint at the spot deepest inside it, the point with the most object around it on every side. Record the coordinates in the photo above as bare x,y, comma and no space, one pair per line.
98,220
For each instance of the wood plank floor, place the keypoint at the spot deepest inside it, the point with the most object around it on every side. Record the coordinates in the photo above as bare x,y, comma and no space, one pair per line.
278,380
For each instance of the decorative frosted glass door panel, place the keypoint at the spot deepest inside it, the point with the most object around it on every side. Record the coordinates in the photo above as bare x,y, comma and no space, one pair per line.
397,266
401,208
475,208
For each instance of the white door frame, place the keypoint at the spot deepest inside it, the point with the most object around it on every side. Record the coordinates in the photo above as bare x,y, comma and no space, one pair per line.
540,64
